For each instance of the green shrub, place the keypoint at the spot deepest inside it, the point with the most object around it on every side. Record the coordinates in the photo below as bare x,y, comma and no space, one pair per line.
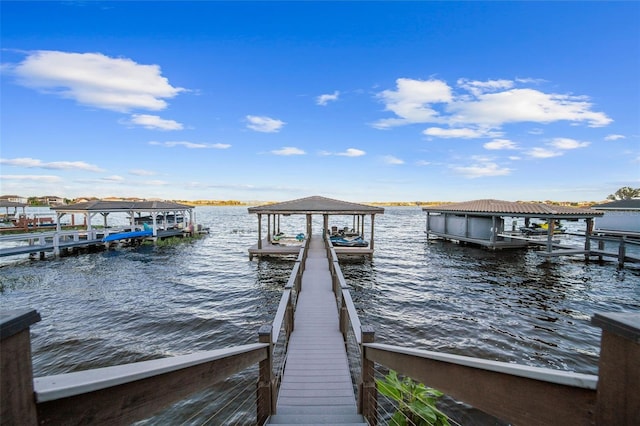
416,402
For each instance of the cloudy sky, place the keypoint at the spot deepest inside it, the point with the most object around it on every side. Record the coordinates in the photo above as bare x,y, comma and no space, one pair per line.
360,101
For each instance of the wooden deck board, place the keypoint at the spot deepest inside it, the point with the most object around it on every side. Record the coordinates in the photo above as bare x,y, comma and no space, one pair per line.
317,370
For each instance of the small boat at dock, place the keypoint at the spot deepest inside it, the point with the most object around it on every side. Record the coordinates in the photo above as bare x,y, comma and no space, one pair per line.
127,235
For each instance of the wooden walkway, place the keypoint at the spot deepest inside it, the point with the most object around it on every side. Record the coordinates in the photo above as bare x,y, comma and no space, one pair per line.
316,385
42,242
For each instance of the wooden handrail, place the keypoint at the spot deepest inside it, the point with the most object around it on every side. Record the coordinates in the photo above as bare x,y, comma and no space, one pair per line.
515,393
530,395
126,393
278,320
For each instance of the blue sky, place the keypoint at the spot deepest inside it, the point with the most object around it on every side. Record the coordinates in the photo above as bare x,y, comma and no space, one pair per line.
359,101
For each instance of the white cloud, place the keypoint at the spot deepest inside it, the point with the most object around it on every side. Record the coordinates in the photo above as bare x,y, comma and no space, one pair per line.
614,137
288,150
113,178
411,101
390,159
422,163
482,170
525,105
154,122
458,133
56,165
141,172
566,143
35,178
191,145
497,144
96,80
485,106
538,152
325,99
352,152
155,183
264,124
479,87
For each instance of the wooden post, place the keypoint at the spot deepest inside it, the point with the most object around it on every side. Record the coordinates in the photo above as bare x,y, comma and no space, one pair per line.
618,400
549,235
289,318
601,248
17,402
266,402
371,243
587,238
367,392
343,319
622,251
259,231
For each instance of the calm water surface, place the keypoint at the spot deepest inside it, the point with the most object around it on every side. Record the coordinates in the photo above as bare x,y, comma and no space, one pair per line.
141,303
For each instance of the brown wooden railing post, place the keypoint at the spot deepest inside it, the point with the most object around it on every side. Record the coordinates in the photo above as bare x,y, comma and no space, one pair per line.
367,392
17,403
266,401
289,318
618,400
344,319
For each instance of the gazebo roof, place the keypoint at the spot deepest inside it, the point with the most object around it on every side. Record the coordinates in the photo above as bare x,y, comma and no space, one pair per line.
489,207
316,205
5,203
121,206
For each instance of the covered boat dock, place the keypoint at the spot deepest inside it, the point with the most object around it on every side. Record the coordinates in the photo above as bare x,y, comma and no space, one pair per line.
269,245
482,222
163,216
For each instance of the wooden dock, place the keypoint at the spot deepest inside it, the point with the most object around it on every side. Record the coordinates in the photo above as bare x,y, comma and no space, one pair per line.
316,386
58,242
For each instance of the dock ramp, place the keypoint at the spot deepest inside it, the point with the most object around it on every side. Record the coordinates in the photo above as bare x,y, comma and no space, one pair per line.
316,386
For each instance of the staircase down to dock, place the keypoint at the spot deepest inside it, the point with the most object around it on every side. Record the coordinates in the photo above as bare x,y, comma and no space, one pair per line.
316,385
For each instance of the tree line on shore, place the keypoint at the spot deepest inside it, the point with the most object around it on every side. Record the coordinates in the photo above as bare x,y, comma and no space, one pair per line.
624,193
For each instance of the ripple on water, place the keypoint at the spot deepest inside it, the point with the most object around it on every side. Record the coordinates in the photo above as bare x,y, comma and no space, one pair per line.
134,304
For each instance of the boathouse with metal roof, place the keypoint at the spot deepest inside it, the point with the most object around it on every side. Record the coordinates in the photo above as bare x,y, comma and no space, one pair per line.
619,216
482,222
309,206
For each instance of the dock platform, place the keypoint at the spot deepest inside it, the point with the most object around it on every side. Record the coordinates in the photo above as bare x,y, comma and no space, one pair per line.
316,385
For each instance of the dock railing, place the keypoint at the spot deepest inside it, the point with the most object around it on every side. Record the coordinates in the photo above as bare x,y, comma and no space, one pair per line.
277,336
519,394
46,241
119,394
515,393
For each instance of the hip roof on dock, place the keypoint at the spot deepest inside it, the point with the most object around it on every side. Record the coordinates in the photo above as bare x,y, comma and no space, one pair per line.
316,205
490,207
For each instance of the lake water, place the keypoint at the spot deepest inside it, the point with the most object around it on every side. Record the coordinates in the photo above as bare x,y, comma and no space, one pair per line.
134,304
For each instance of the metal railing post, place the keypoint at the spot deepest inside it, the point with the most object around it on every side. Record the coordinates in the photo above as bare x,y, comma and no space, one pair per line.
265,399
367,392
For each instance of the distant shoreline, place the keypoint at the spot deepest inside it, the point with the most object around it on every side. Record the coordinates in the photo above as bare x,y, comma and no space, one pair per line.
376,203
